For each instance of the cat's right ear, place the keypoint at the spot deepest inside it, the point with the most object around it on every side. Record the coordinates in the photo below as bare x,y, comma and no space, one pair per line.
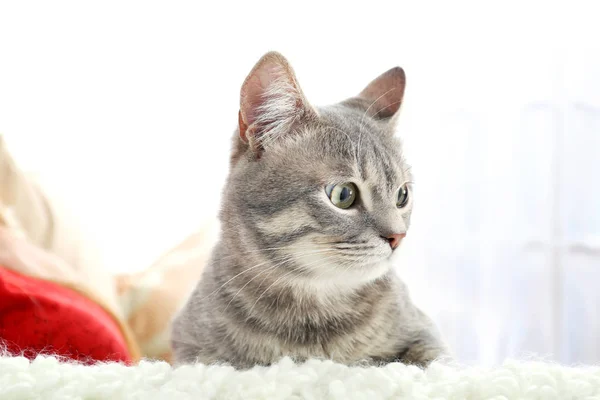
383,96
271,102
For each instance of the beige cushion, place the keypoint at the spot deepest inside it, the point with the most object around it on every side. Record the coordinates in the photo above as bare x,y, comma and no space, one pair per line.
41,240
44,221
151,298
21,203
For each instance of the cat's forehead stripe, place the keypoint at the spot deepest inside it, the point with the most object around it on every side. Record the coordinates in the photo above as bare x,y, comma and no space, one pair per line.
378,168
387,170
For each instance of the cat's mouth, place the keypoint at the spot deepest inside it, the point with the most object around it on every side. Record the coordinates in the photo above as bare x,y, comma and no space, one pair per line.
343,259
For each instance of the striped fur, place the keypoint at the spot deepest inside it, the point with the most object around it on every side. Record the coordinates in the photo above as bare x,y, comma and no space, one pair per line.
292,275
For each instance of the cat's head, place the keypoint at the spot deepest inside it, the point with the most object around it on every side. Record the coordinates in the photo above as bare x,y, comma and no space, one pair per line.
323,191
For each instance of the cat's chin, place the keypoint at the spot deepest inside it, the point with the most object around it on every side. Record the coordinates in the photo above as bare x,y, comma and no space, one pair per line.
343,279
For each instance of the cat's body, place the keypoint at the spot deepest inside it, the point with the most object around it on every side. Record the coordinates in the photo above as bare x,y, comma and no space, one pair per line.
314,206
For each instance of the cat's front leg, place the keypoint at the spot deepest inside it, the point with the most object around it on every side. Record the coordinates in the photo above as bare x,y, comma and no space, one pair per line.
422,350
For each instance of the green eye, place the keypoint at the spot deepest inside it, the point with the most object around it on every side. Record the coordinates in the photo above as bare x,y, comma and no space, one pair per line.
342,195
402,197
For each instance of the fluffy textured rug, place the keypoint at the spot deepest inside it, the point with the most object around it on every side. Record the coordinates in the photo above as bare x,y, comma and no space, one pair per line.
48,378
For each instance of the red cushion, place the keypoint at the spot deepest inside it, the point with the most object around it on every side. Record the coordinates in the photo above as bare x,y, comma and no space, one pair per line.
37,316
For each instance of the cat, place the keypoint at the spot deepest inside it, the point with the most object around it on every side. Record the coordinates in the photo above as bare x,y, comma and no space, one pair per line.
315,207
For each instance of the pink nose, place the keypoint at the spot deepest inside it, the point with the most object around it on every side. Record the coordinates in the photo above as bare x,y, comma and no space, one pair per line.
395,239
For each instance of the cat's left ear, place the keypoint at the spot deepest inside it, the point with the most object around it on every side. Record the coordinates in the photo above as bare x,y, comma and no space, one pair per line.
383,96
271,102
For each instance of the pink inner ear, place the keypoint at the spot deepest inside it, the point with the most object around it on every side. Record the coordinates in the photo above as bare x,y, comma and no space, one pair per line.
259,84
271,102
252,99
385,93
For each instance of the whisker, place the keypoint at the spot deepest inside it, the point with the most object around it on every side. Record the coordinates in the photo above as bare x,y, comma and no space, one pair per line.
383,108
351,143
247,283
272,284
258,265
231,279
362,120
353,247
267,249
287,258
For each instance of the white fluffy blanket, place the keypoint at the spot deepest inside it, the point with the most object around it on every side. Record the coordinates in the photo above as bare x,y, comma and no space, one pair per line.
47,378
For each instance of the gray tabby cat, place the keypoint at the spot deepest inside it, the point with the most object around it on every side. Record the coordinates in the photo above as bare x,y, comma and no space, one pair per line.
315,207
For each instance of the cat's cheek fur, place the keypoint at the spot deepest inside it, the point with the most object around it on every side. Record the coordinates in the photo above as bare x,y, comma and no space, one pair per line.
331,270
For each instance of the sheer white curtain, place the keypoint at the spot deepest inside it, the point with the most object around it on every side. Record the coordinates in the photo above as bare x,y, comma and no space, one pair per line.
506,233
125,111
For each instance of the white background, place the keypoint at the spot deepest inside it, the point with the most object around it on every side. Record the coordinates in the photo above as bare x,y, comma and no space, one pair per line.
125,111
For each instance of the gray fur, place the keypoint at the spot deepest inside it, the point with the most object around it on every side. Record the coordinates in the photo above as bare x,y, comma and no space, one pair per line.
291,274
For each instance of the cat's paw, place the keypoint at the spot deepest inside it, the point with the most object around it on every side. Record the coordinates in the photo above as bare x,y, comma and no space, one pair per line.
422,354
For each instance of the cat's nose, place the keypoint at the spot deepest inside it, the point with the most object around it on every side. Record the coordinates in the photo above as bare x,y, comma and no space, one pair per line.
394,240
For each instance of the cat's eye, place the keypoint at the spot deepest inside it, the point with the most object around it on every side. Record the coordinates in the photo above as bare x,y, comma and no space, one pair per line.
402,199
341,195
